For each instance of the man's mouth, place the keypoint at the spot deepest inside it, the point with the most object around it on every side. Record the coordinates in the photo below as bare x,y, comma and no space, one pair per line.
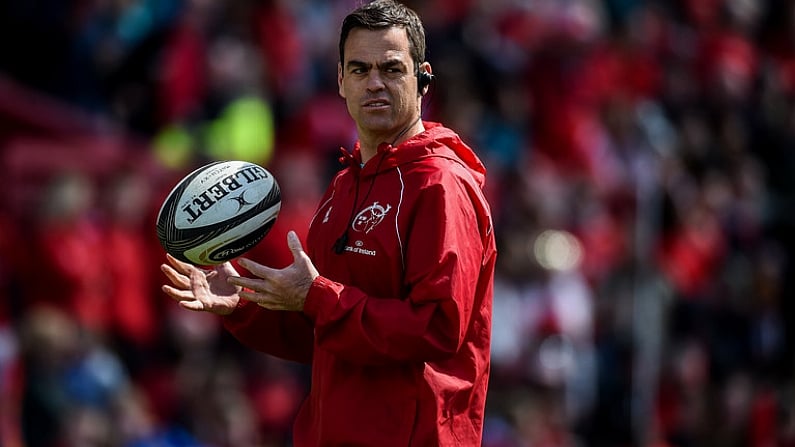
375,104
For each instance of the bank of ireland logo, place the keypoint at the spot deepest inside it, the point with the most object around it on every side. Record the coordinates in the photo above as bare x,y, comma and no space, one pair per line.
370,217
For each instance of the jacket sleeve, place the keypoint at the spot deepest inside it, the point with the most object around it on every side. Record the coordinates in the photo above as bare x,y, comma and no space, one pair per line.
445,242
287,335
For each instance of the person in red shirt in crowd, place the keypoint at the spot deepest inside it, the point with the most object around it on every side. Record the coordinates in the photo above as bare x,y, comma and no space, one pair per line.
134,313
66,246
391,303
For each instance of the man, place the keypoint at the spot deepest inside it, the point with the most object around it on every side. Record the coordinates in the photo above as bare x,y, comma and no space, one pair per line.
391,303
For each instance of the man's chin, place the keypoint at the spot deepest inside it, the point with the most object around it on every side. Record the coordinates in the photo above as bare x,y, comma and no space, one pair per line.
377,126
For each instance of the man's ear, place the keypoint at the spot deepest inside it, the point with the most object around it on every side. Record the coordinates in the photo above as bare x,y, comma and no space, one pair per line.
424,78
339,79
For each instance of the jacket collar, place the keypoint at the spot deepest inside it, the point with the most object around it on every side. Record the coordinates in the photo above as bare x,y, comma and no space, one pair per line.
435,141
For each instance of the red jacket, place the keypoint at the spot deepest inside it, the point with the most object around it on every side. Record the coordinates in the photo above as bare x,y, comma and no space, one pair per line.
398,325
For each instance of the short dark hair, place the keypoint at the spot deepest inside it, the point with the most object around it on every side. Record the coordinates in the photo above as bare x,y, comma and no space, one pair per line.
382,14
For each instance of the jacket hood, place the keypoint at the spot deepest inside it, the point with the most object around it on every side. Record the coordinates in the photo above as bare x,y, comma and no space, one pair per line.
435,141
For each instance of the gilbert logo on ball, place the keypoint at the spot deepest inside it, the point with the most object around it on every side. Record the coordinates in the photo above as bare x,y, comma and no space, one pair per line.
218,212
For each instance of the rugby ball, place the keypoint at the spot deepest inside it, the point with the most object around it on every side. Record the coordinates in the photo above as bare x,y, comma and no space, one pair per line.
218,212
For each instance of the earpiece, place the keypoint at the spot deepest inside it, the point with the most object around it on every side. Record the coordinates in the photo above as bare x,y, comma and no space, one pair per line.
424,80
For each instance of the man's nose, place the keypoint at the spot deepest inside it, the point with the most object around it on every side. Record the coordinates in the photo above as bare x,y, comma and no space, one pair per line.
374,80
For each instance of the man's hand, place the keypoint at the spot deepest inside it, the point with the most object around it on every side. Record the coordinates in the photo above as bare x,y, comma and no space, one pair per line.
201,290
284,289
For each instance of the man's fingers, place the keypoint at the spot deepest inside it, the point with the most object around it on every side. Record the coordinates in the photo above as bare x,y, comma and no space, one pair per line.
263,300
192,305
175,277
255,268
178,294
182,267
184,298
225,268
198,279
250,283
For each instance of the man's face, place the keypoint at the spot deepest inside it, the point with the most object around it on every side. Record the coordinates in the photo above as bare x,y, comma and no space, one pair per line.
377,80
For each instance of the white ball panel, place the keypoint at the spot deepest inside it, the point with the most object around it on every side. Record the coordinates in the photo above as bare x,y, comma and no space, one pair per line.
201,253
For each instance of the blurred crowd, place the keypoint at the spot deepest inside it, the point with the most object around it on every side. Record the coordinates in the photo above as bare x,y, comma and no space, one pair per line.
641,158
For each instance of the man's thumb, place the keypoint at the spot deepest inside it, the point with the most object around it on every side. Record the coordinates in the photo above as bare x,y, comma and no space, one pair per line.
294,244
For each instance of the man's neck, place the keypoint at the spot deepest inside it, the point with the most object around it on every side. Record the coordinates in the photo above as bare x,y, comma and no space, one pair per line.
369,146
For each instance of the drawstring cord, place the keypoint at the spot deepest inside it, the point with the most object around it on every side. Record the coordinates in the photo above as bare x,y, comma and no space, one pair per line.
342,241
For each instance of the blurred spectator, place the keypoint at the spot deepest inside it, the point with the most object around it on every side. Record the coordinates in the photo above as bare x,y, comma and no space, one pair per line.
67,249
69,381
135,313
